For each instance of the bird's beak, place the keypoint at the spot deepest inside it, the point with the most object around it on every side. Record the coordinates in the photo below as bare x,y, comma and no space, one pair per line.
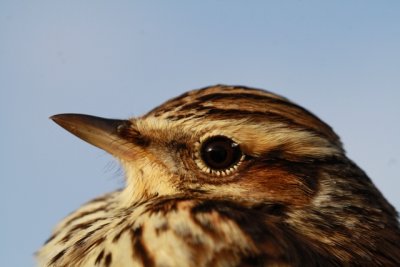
106,134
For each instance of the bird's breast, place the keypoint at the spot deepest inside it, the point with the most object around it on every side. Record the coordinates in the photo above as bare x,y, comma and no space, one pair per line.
164,232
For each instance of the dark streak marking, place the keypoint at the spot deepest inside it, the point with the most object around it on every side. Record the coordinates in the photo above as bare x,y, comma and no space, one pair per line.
250,221
277,209
191,96
108,260
57,256
81,226
181,116
99,257
81,241
178,146
277,105
164,227
219,113
119,223
139,247
163,206
50,238
88,235
306,169
233,97
134,136
117,236
206,227
169,105
265,231
80,215
94,244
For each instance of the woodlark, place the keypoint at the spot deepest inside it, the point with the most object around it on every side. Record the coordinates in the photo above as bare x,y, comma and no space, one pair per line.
226,176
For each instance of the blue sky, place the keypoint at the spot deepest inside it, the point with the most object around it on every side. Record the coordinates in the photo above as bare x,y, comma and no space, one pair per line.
339,59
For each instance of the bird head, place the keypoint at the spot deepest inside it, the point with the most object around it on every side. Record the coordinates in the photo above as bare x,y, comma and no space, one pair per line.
221,141
236,143
254,148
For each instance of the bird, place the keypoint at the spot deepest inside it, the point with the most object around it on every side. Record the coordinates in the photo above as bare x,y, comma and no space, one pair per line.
226,176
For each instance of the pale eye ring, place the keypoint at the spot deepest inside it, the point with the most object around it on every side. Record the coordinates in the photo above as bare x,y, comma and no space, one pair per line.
220,155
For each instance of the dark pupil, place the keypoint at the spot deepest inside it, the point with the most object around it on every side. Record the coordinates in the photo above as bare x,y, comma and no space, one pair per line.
217,153
220,153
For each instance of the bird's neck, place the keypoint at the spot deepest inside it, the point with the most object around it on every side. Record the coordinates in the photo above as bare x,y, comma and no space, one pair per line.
351,221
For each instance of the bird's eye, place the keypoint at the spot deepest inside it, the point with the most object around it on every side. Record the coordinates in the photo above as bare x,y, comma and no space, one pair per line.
220,154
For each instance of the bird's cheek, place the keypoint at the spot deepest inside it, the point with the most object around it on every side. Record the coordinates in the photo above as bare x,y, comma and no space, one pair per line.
145,179
276,186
